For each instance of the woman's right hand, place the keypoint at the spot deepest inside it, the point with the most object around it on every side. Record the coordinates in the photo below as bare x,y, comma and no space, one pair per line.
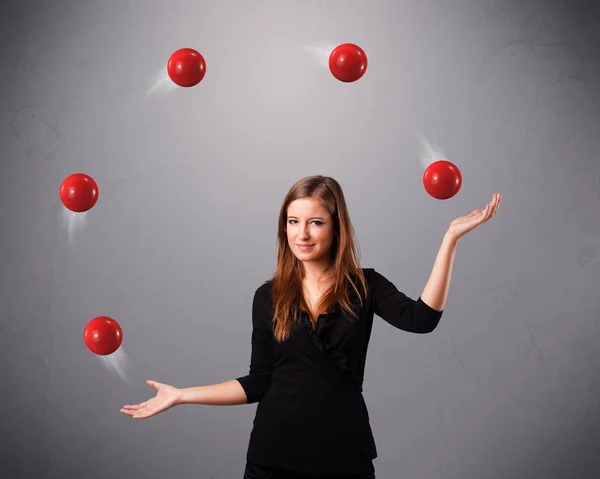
166,397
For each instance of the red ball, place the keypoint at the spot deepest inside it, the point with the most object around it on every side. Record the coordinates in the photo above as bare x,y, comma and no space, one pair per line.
442,179
79,192
186,67
348,62
103,335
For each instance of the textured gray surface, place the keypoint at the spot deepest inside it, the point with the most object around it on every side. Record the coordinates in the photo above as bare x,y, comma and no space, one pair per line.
191,181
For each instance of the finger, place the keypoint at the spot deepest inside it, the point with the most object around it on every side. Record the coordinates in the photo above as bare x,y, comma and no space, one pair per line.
134,406
486,213
498,203
493,206
153,384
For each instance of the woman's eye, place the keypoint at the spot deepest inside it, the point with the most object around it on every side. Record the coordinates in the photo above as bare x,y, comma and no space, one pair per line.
315,221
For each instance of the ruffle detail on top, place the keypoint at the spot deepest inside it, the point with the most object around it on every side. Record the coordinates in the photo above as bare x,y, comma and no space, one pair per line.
328,340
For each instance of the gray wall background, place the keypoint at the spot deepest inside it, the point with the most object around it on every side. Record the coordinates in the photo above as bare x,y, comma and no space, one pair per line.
191,181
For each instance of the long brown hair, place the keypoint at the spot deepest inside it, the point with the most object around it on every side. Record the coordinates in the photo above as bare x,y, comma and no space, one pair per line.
344,256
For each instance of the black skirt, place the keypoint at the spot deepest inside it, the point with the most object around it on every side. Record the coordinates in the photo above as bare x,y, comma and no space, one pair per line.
254,471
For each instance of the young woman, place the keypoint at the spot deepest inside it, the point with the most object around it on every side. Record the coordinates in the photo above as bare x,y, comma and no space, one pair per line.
311,327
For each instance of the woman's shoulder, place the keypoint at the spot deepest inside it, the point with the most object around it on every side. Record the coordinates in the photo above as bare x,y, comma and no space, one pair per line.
368,273
372,276
265,288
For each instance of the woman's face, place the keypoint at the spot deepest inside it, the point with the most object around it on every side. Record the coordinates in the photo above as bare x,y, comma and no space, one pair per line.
309,223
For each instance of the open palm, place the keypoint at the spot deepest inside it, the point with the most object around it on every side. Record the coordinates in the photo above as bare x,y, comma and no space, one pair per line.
166,397
461,226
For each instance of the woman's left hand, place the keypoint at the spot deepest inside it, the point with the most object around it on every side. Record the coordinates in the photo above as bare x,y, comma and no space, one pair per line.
461,226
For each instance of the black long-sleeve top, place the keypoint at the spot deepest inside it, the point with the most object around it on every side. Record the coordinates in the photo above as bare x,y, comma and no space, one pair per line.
311,415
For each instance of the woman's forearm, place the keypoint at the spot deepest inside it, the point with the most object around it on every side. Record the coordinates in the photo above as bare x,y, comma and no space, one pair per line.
229,393
436,289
